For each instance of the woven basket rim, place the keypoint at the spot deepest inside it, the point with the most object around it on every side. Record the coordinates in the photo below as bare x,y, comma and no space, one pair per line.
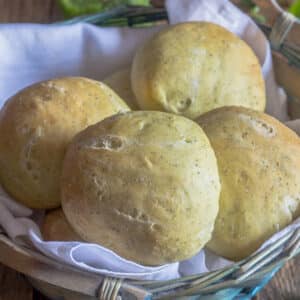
282,10
250,273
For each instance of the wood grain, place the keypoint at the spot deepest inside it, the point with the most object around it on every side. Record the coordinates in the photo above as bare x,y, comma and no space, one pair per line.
33,11
284,286
13,286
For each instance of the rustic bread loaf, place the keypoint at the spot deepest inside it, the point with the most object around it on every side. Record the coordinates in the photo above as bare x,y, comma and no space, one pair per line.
56,227
36,126
144,184
120,82
191,68
259,165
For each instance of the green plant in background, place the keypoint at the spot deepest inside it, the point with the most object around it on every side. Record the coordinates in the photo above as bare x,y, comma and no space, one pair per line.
73,8
295,8
254,10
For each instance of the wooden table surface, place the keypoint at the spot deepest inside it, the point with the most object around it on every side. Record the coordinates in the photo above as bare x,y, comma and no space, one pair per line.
285,285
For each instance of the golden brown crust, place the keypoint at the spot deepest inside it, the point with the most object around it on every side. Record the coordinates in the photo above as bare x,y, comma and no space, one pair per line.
56,227
259,165
37,124
144,184
191,68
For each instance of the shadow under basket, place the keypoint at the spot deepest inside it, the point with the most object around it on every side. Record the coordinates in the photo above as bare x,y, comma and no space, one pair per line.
241,280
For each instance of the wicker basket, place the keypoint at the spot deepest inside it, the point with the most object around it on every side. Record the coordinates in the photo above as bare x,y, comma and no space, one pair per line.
241,280
286,54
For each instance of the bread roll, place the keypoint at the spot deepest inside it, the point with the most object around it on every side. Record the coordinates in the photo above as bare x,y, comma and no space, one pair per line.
36,126
259,166
144,184
57,228
120,82
191,68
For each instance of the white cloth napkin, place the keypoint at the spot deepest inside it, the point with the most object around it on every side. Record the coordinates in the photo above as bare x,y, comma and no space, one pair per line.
31,53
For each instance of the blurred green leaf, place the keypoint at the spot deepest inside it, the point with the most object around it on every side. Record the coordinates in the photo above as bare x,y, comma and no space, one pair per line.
248,3
295,8
139,2
256,14
73,8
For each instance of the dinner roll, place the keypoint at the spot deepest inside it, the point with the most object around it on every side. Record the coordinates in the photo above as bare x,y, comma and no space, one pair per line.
120,82
259,166
36,126
56,227
191,68
144,184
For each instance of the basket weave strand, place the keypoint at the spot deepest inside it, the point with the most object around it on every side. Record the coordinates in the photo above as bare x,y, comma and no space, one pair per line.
242,280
